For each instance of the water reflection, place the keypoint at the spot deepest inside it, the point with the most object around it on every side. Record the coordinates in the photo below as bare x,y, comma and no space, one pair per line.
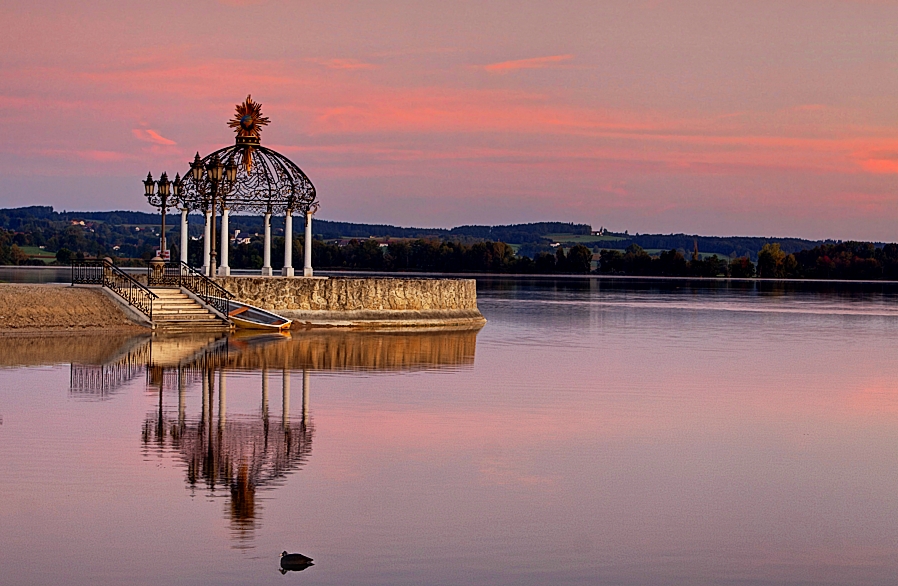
331,350
233,454
238,455
101,381
244,453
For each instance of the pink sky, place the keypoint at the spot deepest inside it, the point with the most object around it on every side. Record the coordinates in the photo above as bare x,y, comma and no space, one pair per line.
756,118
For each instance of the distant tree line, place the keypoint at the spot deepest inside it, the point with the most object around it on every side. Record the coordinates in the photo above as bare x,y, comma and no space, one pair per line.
635,261
845,260
725,246
429,255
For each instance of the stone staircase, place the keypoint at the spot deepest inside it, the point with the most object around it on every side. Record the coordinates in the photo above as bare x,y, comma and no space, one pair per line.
175,311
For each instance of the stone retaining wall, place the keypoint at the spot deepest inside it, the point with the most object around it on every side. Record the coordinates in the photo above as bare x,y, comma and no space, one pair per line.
375,301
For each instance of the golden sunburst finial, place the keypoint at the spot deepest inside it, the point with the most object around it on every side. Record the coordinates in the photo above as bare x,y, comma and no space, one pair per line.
248,123
249,120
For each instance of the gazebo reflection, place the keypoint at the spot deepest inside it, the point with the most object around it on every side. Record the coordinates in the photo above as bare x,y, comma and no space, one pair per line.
232,454
238,454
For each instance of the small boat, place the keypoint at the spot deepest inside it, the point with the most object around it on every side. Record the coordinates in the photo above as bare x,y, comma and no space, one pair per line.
294,562
246,316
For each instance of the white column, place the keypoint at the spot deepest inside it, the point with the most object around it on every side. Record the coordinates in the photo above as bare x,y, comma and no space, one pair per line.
184,235
287,271
266,253
223,269
207,236
307,249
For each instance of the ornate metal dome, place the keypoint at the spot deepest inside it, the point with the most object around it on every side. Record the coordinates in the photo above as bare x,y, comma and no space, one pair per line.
263,180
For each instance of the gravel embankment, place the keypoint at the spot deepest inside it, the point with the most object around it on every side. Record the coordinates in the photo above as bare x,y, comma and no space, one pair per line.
48,308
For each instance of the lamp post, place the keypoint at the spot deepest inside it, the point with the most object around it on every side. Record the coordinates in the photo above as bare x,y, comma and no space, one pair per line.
158,193
218,175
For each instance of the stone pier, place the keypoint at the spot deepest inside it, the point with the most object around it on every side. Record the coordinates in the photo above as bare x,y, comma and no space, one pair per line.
362,302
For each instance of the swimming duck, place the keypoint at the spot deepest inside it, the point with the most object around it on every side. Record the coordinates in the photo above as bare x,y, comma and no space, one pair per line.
295,562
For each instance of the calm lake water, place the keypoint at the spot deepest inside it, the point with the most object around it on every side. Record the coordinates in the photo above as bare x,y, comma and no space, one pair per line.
592,432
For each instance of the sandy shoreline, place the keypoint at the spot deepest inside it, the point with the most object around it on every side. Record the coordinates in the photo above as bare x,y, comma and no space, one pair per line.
36,309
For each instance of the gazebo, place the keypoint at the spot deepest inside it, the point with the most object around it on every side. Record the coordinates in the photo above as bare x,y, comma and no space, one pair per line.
247,177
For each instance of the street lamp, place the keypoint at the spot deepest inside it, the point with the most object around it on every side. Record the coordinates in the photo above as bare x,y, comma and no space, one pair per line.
158,194
220,176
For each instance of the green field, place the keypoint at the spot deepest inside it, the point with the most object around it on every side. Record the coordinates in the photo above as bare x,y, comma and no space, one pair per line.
35,252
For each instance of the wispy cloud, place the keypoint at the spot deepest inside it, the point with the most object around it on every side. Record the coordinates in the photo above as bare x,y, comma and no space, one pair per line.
98,156
343,63
532,63
149,135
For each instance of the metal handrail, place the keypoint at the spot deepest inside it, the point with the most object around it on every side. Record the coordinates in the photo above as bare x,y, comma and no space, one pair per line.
103,272
180,274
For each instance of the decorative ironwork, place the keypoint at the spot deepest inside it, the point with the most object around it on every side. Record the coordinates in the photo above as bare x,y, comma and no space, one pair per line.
179,274
103,272
265,180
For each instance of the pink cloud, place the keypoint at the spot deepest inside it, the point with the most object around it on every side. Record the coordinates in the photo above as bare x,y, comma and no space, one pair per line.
343,63
532,63
149,135
880,166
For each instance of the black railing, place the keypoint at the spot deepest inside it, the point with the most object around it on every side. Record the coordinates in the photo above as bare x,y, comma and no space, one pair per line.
103,272
179,274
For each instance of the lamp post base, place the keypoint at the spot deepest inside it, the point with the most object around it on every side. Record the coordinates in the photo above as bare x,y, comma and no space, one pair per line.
287,272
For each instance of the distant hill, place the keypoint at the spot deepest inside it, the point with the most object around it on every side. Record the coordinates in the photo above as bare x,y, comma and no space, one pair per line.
533,238
22,218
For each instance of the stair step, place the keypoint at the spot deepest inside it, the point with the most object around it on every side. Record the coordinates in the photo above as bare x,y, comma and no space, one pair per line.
174,311
192,322
186,317
191,328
